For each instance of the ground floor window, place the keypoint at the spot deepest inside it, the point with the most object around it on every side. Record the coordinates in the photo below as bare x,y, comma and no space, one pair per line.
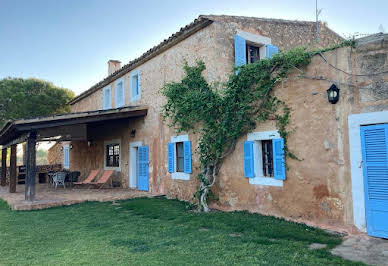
179,157
113,155
264,162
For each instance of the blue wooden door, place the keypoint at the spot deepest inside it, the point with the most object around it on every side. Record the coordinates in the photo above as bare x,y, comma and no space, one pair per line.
143,172
374,140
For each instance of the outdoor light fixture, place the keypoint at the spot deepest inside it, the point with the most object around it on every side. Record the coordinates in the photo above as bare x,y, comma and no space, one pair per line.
333,94
133,133
71,146
90,143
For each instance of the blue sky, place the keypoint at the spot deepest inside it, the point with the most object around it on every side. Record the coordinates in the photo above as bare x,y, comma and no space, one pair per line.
69,42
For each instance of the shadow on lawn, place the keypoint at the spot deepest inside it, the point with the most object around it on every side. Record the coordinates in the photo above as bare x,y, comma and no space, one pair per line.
252,227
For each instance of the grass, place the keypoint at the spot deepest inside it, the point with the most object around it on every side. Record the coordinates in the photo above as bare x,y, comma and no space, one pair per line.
156,231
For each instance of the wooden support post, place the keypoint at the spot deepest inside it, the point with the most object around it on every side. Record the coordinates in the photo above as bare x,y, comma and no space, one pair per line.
12,172
30,167
3,181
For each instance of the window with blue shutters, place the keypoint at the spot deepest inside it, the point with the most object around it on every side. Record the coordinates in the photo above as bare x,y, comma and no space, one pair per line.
179,157
250,48
264,161
119,93
107,100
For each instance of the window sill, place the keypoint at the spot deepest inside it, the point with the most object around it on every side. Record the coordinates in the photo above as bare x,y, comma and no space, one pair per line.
180,176
266,181
135,98
118,169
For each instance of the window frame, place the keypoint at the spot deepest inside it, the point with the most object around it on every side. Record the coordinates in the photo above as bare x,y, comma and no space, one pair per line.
121,80
259,178
109,143
135,97
177,157
248,57
179,175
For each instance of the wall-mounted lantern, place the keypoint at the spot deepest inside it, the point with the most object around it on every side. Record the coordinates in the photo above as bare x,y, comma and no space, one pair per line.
133,133
333,94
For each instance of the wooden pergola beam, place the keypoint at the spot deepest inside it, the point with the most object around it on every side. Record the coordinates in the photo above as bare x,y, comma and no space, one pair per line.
30,167
12,172
3,180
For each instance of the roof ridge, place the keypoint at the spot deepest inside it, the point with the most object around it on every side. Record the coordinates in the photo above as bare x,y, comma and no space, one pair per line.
212,17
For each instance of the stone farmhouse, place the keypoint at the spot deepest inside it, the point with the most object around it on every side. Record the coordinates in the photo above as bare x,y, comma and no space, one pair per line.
342,178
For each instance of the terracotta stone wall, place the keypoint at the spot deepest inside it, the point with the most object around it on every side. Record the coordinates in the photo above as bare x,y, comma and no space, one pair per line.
318,188
283,33
54,154
216,42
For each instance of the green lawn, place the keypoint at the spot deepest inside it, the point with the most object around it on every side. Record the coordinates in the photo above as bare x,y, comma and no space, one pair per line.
155,231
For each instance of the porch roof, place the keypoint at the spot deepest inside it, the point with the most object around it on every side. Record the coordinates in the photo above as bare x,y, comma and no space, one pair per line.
17,131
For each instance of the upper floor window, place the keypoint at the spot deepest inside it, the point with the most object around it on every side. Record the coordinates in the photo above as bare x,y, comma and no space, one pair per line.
107,98
119,93
250,48
135,86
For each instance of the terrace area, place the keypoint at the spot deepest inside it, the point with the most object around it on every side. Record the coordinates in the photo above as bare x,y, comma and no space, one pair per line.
47,197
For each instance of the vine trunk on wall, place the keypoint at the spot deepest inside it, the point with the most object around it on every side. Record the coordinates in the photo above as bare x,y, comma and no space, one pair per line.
221,115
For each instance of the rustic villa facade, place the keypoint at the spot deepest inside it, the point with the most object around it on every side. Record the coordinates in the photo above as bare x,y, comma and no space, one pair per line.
117,125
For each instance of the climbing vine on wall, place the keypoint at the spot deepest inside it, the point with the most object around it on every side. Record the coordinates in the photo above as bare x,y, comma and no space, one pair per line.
221,115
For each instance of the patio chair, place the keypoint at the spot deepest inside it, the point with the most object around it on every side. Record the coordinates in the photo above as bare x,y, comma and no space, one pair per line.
106,176
93,174
59,179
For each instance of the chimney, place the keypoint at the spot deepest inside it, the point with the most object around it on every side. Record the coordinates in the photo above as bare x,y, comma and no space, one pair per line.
113,65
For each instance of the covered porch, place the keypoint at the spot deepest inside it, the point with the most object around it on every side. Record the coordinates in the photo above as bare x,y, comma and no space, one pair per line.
82,127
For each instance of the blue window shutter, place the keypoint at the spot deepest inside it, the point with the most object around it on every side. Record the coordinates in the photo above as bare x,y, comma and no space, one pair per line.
107,98
270,50
66,156
143,168
240,51
171,157
279,166
187,157
120,94
248,159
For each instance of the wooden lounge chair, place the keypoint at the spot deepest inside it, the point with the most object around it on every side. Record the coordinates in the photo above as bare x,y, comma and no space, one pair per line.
106,176
93,174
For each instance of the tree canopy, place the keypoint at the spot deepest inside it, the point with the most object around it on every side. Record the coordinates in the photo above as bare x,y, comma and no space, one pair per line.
27,98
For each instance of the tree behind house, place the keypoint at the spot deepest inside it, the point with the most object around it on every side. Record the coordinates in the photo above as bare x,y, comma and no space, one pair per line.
28,98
